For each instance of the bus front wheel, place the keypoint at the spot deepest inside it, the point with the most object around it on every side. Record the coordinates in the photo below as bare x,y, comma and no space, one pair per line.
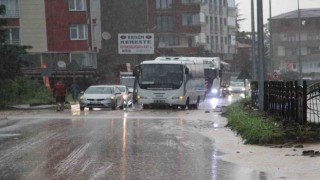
185,107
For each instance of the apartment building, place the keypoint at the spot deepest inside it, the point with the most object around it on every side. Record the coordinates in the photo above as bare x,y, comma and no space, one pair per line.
60,32
290,35
186,27
180,27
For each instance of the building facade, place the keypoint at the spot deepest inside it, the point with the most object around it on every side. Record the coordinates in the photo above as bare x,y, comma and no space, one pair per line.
290,36
59,32
193,27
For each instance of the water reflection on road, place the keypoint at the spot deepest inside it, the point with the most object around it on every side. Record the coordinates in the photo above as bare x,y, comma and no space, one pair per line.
105,144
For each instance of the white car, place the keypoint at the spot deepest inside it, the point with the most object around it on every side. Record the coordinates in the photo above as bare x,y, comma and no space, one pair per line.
101,96
236,87
126,95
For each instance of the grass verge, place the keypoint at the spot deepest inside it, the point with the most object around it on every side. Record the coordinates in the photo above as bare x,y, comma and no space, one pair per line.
252,126
256,127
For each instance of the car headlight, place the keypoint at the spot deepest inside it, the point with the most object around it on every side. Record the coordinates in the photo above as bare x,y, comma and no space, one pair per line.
243,89
112,97
125,96
214,91
82,97
230,89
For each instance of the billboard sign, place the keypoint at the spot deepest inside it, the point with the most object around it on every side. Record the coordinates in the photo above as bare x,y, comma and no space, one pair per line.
140,43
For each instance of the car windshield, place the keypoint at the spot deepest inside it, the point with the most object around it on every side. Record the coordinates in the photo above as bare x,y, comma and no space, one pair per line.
122,88
236,84
99,90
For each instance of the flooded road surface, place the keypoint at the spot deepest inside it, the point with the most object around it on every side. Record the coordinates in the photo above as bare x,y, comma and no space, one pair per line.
105,144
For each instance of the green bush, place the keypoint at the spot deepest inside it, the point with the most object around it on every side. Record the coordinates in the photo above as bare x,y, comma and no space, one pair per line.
23,91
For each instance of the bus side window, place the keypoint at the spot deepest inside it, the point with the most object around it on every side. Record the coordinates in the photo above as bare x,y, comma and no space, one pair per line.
187,71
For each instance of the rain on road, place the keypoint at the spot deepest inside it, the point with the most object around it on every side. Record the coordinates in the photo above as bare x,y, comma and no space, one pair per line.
105,144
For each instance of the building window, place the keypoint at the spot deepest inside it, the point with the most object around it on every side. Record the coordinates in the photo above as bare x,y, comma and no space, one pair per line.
291,37
164,4
12,8
77,5
291,51
313,37
313,50
78,32
189,19
12,36
164,23
190,1
174,40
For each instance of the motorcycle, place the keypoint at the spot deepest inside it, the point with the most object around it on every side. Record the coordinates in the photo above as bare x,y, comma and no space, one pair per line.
225,91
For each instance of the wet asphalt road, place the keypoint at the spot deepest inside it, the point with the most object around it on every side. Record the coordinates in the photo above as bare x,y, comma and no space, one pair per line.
105,144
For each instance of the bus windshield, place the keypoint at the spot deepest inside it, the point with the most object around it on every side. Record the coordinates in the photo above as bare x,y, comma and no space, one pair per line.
161,76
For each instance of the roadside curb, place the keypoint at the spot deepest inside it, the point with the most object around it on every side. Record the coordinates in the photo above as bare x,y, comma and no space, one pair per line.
29,107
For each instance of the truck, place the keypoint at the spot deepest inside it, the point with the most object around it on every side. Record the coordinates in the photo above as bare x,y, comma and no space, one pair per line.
127,79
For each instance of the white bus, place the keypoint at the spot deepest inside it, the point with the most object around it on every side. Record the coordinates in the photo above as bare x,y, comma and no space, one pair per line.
214,70
172,81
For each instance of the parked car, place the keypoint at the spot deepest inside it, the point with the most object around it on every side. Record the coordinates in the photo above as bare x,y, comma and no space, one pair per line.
101,96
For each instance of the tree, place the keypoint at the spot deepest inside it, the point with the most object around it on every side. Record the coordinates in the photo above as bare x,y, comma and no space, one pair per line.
242,60
10,62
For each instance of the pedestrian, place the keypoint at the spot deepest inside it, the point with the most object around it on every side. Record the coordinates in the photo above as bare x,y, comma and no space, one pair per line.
75,90
60,92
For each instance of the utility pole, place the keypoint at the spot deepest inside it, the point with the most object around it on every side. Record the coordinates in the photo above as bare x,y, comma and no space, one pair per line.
260,53
270,40
253,44
299,44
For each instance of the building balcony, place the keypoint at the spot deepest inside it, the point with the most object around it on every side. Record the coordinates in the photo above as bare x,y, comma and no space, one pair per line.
10,14
188,7
13,42
191,29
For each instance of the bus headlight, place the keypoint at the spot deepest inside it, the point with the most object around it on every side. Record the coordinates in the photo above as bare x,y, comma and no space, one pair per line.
141,97
180,97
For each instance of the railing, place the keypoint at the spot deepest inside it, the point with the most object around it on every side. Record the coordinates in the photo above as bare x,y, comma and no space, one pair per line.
290,101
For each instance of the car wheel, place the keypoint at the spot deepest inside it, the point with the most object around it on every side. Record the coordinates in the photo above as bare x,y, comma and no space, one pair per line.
114,107
81,108
121,107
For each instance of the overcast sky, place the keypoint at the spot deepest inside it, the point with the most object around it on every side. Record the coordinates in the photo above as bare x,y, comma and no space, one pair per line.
278,7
